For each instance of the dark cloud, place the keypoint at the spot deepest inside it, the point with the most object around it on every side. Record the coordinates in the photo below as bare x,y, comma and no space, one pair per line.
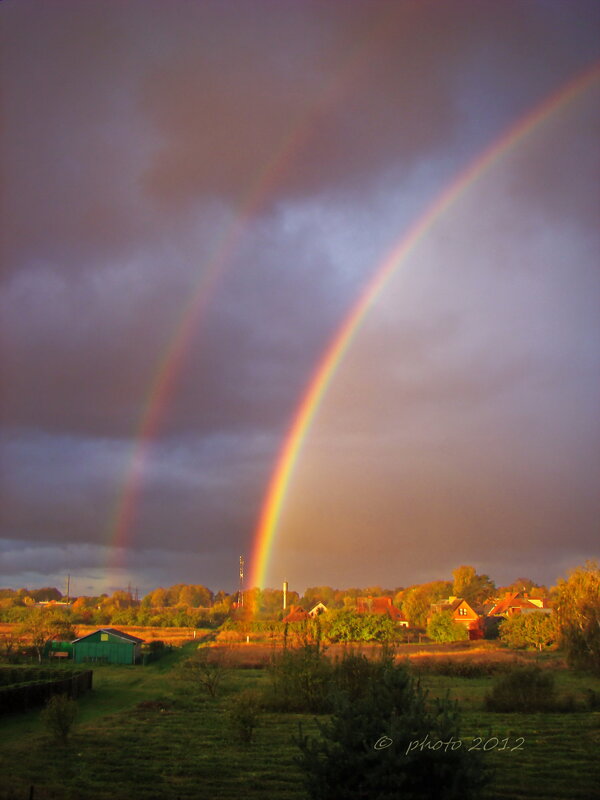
261,159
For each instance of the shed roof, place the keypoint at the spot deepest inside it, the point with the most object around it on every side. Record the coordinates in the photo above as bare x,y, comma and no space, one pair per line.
114,632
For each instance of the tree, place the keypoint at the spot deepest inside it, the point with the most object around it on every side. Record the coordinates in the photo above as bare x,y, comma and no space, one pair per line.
159,598
416,603
378,628
45,624
533,629
314,594
344,626
205,670
472,587
577,607
442,628
47,593
384,741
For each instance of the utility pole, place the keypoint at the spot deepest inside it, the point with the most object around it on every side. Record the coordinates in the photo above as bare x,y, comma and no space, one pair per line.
68,587
241,590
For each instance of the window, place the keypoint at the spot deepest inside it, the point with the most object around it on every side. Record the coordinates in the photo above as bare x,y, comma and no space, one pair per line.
462,612
104,637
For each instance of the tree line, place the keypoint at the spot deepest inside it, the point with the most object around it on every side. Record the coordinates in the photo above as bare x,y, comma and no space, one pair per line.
184,605
574,623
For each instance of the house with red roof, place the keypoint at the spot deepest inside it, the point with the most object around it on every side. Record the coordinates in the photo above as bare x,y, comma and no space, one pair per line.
380,605
296,614
299,614
462,613
516,603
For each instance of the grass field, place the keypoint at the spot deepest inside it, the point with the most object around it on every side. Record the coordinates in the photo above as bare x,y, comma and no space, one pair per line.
140,736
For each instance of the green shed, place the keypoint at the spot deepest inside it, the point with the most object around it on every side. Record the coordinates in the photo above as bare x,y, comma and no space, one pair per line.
109,646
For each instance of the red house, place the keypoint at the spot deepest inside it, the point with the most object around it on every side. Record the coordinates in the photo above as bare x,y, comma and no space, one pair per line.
380,605
462,613
296,614
514,603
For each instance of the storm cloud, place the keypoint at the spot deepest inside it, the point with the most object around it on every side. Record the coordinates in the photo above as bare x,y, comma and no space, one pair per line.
262,158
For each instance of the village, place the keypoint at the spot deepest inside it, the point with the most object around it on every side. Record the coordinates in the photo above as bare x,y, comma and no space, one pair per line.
121,628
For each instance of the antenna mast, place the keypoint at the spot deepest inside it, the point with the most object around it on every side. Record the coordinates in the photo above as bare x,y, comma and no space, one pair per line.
241,590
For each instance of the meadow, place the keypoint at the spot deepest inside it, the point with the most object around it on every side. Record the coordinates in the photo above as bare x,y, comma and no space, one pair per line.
143,735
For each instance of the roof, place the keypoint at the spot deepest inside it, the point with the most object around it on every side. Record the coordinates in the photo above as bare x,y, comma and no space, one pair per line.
114,632
451,604
297,614
378,605
512,600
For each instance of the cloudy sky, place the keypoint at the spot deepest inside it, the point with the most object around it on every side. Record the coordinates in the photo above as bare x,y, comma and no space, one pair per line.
195,196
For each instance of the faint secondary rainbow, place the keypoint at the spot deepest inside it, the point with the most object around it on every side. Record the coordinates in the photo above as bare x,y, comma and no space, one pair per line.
170,362
338,346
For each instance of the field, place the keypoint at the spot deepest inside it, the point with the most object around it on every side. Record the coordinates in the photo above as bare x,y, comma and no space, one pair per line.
140,735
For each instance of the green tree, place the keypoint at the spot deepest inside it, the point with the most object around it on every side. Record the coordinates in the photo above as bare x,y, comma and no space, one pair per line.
343,626
533,629
378,628
416,603
384,741
442,628
577,607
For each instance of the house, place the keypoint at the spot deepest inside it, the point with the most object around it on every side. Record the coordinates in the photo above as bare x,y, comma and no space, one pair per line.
380,605
296,614
462,613
107,645
516,603
317,610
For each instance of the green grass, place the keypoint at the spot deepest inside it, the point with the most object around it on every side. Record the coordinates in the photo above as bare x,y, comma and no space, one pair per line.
188,751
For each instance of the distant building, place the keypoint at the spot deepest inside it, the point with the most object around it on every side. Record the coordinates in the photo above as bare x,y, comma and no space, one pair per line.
514,603
296,614
380,605
109,646
318,609
462,613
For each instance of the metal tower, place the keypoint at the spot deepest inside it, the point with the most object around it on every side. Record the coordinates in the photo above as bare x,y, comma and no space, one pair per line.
241,589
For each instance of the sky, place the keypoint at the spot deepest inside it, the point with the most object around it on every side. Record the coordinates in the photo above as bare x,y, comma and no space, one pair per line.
195,197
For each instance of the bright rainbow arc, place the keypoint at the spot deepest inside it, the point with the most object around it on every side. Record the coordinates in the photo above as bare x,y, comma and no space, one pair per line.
121,524
319,383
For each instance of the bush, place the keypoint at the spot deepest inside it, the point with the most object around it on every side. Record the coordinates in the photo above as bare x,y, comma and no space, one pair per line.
460,667
442,628
383,741
592,700
525,689
58,717
205,671
300,680
244,714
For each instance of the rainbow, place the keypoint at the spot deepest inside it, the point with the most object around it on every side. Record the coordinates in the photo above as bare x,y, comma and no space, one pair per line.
121,523
338,346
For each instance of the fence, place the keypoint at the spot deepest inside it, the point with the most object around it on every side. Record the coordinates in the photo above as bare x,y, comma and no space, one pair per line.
23,695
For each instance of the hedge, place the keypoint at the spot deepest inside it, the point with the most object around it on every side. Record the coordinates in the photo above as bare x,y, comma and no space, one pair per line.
25,695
